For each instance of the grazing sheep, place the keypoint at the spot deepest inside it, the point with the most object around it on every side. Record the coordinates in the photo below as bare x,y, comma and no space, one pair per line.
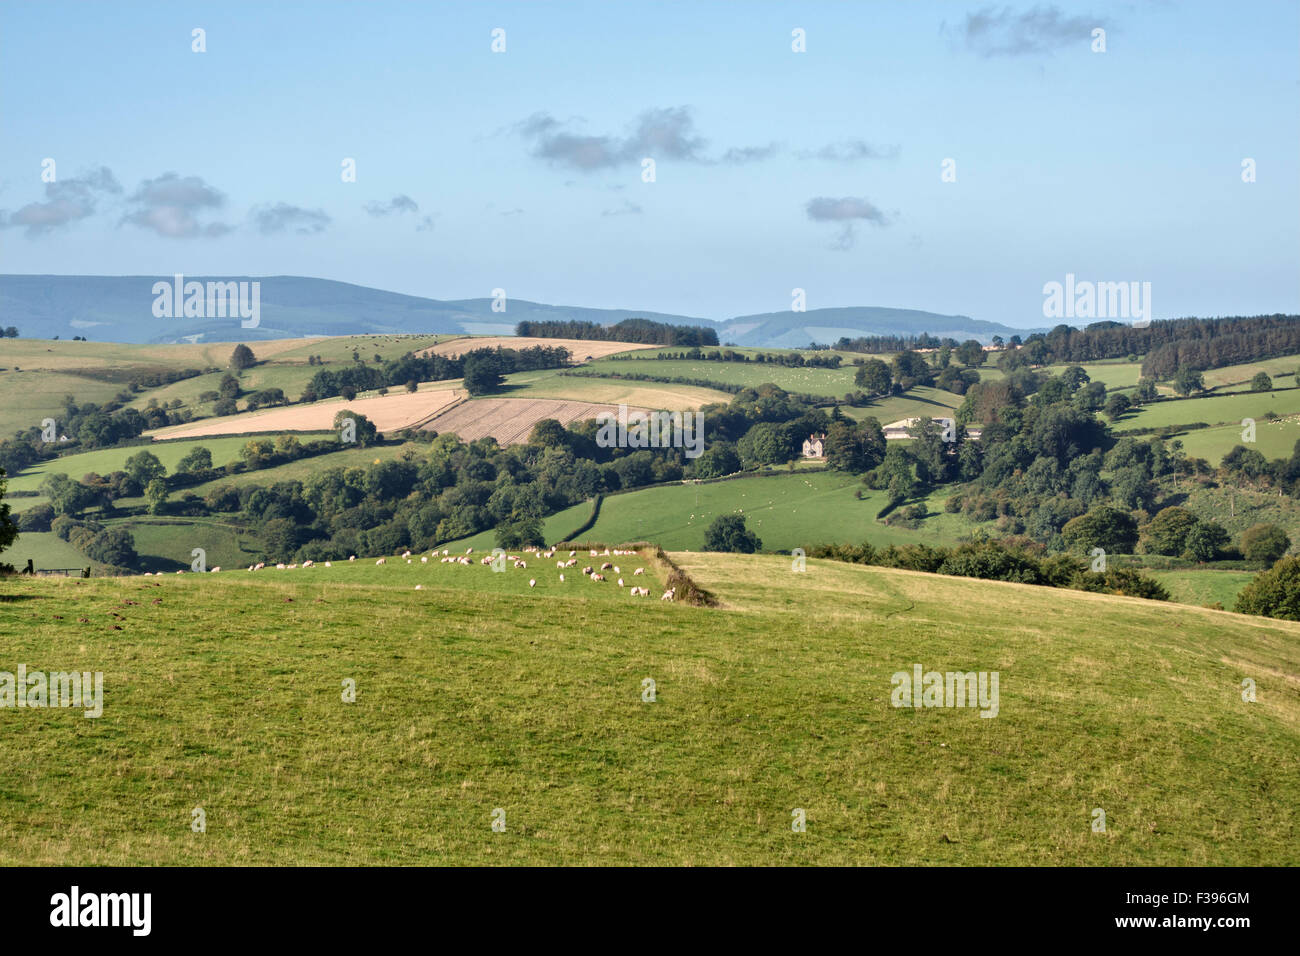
559,564
424,559
617,570
606,566
353,558
620,582
215,570
588,569
328,565
280,566
561,578
382,561
419,587
638,571
305,564
406,554
594,577
532,582
572,553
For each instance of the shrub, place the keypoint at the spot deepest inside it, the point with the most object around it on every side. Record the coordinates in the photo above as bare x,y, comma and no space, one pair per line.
1264,542
1273,593
36,519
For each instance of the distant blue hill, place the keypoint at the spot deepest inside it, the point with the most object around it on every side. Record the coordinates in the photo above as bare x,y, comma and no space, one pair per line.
120,309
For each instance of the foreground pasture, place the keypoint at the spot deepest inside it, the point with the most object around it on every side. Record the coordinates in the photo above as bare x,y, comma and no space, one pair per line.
475,693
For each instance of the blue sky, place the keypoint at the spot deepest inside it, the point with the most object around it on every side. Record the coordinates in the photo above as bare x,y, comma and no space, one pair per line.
774,169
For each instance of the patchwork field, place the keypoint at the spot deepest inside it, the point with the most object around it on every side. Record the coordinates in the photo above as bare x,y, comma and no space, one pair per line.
509,420
1214,410
832,383
549,383
477,694
581,350
36,374
388,412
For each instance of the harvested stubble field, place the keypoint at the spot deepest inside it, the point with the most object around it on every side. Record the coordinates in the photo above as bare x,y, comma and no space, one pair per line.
510,420
387,412
580,349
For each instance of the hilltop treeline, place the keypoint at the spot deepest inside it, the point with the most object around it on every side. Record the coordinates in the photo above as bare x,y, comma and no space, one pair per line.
641,331
787,359
429,368
1232,349
891,343
1256,337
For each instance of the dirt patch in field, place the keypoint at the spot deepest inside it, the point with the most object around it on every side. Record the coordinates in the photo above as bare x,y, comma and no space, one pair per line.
510,420
580,349
388,412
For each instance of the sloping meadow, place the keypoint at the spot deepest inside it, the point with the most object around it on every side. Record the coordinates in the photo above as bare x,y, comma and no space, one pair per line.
350,719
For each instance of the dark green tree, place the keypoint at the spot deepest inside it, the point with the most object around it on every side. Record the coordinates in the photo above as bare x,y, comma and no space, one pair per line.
728,533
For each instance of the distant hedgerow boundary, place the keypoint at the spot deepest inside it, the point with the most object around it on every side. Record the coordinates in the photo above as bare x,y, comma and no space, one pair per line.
729,387
996,561
684,588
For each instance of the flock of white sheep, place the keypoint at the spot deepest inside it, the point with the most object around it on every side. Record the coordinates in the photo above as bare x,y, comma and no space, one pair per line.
446,557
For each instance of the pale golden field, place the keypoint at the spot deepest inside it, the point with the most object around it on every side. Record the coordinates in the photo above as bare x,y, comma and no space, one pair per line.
581,349
387,412
510,420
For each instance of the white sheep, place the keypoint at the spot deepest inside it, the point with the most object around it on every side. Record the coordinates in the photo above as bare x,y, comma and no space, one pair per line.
328,565
532,582
620,582
561,578
382,561
424,559
638,571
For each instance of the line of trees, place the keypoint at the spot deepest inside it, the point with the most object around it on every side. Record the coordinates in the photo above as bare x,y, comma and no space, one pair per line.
640,331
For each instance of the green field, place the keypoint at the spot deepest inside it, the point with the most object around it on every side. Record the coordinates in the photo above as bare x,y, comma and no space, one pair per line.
1113,374
166,543
44,549
476,693
1240,375
304,468
785,510
1215,410
918,402
106,460
1272,440
832,383
1204,588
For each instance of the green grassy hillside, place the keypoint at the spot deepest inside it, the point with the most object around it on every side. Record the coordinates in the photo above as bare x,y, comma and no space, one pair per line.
476,693
785,510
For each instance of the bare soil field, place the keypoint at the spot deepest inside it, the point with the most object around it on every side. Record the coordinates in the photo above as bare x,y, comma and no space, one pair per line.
510,420
388,412
580,349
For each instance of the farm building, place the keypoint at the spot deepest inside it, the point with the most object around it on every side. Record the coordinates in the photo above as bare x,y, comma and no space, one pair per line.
814,446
